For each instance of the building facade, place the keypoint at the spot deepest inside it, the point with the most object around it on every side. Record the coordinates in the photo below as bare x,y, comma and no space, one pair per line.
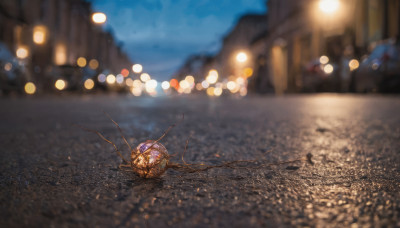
56,33
300,32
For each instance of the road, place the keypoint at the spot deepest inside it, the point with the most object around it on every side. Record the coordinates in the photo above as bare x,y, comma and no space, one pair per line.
54,174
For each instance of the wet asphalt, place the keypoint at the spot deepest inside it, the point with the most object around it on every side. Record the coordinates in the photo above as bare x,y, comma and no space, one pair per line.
54,174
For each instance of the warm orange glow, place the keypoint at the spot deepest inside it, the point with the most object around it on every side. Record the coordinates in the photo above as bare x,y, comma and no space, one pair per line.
329,6
324,59
30,88
39,34
212,76
99,18
8,66
174,83
189,79
93,64
145,77
210,91
328,69
125,72
184,84
22,52
60,56
81,61
241,57
217,91
60,84
354,64
248,72
89,84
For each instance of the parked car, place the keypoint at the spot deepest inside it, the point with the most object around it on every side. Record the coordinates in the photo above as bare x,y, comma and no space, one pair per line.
320,77
380,71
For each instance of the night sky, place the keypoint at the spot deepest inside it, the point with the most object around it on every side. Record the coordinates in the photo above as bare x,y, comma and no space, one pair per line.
160,34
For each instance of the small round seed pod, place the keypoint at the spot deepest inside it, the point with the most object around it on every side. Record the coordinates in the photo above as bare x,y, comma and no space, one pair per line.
150,159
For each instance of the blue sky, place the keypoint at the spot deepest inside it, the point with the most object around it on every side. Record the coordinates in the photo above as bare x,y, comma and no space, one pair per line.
161,34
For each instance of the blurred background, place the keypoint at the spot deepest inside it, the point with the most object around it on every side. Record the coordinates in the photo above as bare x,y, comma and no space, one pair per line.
217,48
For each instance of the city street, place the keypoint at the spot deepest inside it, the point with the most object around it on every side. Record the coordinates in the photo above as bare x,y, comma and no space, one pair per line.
54,174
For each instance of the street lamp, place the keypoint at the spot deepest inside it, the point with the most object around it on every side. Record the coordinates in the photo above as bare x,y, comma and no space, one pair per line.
39,34
137,68
22,52
99,18
241,57
328,6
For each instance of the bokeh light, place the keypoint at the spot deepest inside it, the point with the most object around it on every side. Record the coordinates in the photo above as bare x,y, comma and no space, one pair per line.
93,64
241,57
165,85
99,18
60,84
248,72
145,77
8,66
60,56
101,78
354,64
212,76
217,91
81,61
324,59
30,88
39,34
328,6
328,69
89,84
137,68
119,78
205,84
125,72
110,79
184,84
22,52
210,91
189,79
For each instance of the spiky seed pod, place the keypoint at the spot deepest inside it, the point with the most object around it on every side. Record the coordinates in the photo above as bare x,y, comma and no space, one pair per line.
150,159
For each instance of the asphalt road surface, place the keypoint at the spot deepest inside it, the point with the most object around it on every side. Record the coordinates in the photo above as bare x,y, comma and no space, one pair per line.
54,174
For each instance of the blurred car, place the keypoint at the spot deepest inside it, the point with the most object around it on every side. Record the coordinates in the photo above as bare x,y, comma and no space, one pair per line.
380,71
69,77
318,77
12,74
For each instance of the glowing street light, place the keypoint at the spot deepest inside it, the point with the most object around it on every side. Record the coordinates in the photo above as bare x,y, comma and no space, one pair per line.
328,69
241,57
93,64
99,18
145,77
110,79
30,88
354,64
324,59
22,52
137,68
89,84
60,84
81,62
165,85
329,6
39,34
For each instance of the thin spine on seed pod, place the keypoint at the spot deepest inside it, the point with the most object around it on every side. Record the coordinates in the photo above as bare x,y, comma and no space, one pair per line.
150,159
